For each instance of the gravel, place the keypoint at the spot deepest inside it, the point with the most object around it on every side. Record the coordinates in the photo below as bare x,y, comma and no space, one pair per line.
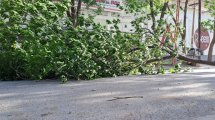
181,96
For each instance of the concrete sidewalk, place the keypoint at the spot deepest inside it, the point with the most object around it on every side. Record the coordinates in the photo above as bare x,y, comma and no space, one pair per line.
182,96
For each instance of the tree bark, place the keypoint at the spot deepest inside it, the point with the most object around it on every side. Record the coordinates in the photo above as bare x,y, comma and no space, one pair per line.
191,60
199,26
73,13
152,14
185,22
210,52
164,9
185,59
181,57
78,12
68,13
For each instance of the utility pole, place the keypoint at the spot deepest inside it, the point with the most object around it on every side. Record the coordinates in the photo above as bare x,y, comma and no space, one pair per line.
199,30
194,13
192,37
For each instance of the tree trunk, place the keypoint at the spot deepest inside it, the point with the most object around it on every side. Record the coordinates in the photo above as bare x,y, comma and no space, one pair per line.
185,22
181,57
199,26
191,60
211,46
78,12
73,13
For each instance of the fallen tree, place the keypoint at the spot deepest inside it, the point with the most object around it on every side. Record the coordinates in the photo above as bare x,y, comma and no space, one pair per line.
48,51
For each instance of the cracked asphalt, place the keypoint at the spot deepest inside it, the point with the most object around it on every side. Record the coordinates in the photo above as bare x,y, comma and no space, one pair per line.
181,96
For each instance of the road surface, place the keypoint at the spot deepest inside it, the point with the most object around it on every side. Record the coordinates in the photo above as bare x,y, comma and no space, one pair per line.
181,96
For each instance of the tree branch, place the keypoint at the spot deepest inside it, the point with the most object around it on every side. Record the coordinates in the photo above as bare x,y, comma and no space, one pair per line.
152,14
164,9
134,49
181,57
173,18
154,60
191,60
158,59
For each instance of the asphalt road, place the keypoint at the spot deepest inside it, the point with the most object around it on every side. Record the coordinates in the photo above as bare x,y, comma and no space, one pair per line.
182,96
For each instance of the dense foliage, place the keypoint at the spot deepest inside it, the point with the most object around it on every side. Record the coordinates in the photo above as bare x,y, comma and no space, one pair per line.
47,50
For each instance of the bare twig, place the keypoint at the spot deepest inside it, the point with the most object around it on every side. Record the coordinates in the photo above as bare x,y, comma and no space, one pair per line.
116,98
17,72
171,14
